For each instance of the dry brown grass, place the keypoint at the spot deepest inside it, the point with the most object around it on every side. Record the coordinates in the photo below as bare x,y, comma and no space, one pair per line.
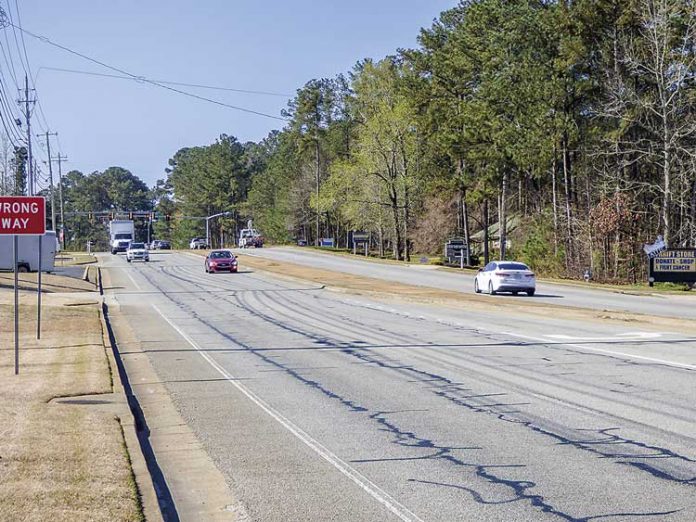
49,283
59,462
74,258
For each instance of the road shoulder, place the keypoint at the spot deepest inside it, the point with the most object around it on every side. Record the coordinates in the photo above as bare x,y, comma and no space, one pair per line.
389,290
188,484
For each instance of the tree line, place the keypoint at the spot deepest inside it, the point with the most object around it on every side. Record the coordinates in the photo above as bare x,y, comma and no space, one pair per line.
565,130
559,133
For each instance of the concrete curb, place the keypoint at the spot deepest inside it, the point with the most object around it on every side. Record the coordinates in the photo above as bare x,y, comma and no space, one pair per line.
143,479
188,484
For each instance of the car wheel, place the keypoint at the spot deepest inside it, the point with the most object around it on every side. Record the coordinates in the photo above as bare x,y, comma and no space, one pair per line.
476,286
530,293
515,293
490,288
128,260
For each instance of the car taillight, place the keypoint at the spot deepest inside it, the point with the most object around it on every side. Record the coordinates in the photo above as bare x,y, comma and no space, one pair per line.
530,275
501,273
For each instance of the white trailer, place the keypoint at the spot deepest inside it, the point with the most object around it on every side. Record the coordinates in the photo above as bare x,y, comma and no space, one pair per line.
121,233
28,252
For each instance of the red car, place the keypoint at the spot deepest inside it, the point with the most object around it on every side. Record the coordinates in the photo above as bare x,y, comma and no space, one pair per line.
220,261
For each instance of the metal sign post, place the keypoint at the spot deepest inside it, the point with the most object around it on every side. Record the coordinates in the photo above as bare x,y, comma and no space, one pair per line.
38,295
16,304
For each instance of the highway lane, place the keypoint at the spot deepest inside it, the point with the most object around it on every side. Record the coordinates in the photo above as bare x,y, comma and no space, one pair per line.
323,406
558,294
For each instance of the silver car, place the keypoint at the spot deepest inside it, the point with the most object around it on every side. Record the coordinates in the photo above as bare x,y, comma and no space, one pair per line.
137,251
505,276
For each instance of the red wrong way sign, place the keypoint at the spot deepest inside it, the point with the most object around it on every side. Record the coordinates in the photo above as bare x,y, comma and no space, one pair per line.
23,215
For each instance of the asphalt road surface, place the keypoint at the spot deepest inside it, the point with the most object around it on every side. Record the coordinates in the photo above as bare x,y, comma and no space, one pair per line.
324,406
667,305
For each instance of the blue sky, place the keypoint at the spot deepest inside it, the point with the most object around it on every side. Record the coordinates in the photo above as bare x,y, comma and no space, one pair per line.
272,46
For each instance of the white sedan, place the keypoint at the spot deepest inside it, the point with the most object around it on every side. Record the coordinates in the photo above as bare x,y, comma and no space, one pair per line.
505,276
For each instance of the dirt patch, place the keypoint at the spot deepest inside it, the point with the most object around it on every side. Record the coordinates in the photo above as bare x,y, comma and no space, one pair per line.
60,462
399,291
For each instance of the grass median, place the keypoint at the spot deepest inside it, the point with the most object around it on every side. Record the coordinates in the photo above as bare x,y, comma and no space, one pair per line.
390,290
60,459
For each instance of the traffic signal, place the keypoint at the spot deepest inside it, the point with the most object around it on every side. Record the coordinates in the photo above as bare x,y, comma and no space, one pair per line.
90,216
167,217
111,216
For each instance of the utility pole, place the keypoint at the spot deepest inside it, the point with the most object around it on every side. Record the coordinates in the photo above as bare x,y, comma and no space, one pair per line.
318,172
50,176
27,117
60,159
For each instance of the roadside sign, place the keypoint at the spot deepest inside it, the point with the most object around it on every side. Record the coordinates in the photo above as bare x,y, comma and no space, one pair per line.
22,215
361,237
673,265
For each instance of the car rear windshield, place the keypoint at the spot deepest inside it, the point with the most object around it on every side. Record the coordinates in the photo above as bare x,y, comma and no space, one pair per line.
512,266
220,255
137,245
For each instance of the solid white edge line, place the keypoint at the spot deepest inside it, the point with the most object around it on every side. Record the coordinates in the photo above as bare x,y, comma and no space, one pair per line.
606,352
364,483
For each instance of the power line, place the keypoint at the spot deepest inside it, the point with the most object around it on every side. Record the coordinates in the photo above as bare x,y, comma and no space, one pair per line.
24,46
14,120
12,131
143,79
9,135
8,61
166,82
21,35
44,126
11,23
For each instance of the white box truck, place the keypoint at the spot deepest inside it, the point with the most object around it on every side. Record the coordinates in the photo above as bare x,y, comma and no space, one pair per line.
121,233
28,252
